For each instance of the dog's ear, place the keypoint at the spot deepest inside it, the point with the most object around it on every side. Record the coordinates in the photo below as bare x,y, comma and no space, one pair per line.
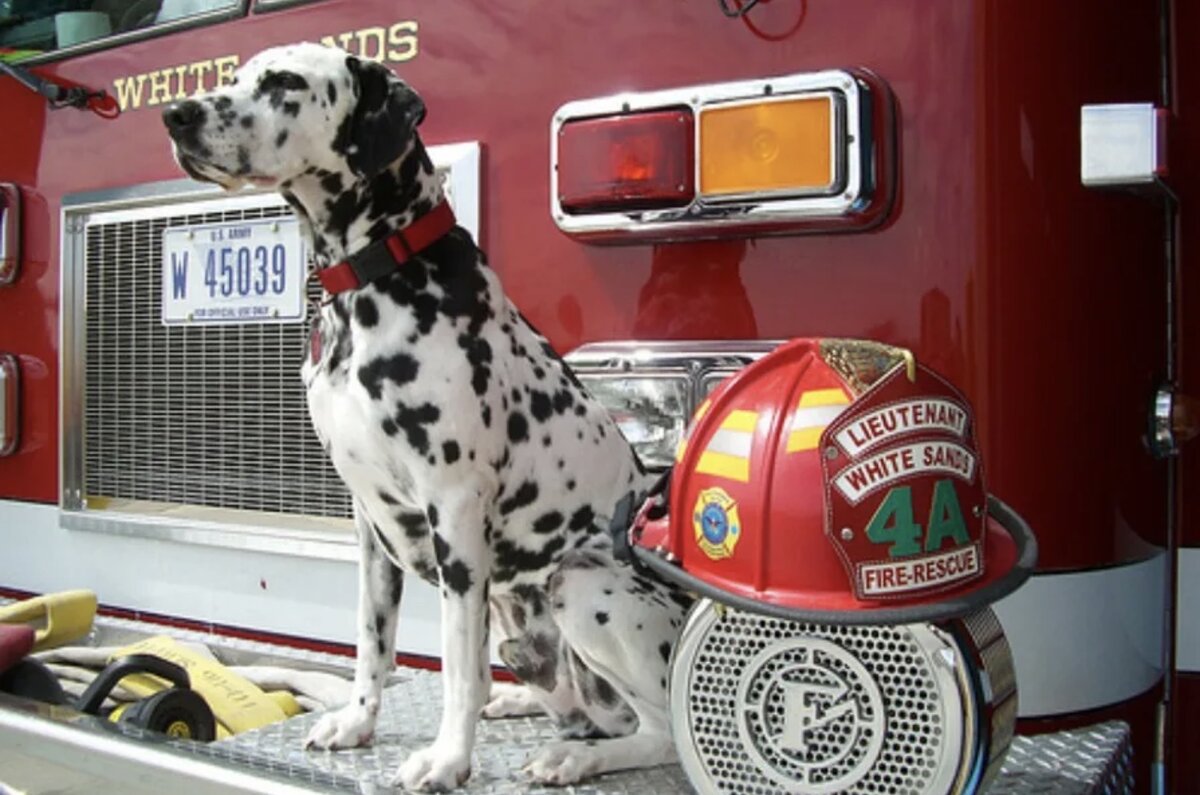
383,121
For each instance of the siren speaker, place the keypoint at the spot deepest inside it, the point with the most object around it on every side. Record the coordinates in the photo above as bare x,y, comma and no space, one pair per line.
761,705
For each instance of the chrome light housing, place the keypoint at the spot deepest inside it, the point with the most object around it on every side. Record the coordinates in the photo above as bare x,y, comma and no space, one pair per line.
653,388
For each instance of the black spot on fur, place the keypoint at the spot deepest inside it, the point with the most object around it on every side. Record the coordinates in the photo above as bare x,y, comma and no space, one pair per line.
413,421
486,415
450,451
540,405
432,513
387,499
548,523
532,597
608,696
331,92
455,574
399,368
247,122
518,427
291,109
582,518
415,524
479,356
332,183
664,650
281,139
601,618
525,495
511,560
243,156
366,311
277,83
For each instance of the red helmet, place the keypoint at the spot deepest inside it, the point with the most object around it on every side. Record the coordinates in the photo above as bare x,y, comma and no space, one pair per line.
836,481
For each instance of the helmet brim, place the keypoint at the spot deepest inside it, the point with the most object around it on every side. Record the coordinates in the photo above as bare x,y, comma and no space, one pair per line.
1010,555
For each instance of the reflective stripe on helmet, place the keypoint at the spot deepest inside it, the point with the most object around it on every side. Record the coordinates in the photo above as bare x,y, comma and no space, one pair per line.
817,408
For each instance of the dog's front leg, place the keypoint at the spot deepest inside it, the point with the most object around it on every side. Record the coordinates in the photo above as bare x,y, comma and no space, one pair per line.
463,567
380,583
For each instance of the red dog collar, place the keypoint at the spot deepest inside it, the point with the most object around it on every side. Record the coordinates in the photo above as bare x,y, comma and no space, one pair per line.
383,256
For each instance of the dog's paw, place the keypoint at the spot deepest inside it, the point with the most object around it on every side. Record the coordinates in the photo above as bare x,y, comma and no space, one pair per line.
349,727
433,769
511,701
562,763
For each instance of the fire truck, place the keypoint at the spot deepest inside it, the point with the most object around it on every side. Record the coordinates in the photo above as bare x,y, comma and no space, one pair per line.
1001,187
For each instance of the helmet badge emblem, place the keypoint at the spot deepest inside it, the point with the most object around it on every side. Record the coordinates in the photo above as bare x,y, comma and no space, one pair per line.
716,522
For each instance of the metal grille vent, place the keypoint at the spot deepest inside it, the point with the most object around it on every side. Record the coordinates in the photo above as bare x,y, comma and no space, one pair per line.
210,416
871,711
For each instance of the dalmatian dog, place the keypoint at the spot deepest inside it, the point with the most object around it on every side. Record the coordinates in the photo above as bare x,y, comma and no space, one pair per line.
475,458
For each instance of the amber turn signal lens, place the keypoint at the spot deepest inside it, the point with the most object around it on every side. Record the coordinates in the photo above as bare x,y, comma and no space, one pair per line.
772,146
636,161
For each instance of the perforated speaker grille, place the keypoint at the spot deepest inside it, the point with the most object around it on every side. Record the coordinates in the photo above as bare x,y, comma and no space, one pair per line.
762,705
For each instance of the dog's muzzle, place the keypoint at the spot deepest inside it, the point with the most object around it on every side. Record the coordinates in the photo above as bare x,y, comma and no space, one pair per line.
184,121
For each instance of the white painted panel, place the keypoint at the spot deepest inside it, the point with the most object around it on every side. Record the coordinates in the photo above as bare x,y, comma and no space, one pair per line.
1087,639
298,596
1187,611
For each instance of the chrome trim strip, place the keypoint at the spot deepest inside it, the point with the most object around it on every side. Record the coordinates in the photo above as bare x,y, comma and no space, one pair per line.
169,190
324,545
232,11
10,232
858,198
10,406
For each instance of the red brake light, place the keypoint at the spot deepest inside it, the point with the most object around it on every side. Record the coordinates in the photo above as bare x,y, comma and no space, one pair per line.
640,161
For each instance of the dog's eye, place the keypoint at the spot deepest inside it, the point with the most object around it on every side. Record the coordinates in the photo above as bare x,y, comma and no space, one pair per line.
282,81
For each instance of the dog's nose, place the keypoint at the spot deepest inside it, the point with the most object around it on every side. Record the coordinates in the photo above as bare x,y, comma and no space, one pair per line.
183,116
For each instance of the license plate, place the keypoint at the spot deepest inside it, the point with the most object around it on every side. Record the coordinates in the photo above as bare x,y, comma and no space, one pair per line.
238,272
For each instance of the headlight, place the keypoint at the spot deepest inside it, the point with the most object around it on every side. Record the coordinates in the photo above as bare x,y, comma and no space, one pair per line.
652,388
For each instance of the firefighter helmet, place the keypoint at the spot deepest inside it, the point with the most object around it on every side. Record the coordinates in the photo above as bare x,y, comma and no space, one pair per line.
835,481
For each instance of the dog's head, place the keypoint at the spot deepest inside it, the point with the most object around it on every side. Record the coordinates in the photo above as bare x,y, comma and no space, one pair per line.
293,109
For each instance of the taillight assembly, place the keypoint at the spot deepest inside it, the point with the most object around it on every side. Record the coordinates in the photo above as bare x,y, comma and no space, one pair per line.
806,152
640,162
10,232
9,403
